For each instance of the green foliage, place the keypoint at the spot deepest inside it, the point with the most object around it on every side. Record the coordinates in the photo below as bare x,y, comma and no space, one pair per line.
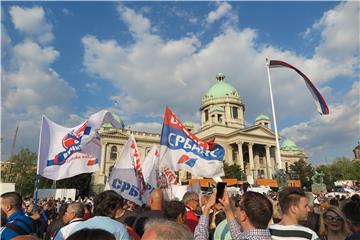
304,170
234,171
341,169
21,169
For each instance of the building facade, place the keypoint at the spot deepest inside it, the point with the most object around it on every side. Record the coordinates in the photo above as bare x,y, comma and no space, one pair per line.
222,116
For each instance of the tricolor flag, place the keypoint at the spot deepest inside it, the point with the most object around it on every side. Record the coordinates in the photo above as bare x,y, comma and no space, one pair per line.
181,150
319,100
67,152
124,179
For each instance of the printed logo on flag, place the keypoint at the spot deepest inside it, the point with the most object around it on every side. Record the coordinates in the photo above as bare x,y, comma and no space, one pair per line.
71,143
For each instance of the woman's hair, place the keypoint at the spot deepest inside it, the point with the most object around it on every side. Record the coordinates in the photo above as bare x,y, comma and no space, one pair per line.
323,228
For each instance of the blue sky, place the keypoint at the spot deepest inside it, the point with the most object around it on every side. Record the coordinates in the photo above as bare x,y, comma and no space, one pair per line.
68,60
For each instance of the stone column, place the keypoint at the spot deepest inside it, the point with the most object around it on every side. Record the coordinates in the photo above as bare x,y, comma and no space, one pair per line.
240,160
103,156
251,159
268,162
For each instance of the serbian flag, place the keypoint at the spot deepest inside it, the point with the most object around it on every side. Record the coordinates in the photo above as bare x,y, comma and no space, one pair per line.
67,152
319,100
181,150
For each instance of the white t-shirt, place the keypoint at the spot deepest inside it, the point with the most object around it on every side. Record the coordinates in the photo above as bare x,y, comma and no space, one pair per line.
292,232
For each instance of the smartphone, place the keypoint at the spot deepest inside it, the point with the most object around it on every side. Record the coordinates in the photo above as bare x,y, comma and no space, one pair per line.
220,188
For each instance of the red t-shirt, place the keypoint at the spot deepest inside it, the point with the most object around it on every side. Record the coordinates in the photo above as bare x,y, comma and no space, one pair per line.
191,219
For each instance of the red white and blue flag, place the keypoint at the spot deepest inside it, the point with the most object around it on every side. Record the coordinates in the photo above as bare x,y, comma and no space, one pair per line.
182,150
66,152
319,99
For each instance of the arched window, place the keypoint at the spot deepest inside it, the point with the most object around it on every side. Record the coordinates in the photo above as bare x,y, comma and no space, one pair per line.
113,152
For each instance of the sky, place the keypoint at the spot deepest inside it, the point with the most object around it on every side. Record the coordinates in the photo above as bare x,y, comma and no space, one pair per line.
68,60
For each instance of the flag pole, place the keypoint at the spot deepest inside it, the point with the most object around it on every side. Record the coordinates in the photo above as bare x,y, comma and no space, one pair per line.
279,164
38,165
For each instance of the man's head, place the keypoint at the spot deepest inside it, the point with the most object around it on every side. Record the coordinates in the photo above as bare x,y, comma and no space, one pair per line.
162,229
107,203
156,199
351,211
175,210
74,210
10,203
254,210
191,200
294,203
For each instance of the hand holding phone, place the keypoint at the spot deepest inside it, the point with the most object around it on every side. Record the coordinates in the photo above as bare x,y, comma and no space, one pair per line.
220,188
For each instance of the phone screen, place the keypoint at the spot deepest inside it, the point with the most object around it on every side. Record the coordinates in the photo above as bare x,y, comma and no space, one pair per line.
220,188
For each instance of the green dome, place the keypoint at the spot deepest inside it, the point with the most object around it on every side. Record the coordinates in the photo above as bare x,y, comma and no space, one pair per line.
221,89
117,118
216,108
262,117
188,124
289,145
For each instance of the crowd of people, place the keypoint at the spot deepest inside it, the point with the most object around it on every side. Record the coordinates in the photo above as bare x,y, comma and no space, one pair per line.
288,214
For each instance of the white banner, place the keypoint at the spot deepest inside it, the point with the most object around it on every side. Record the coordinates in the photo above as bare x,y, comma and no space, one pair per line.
67,152
123,178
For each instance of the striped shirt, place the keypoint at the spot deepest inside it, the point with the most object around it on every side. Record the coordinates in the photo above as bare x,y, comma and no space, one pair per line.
292,232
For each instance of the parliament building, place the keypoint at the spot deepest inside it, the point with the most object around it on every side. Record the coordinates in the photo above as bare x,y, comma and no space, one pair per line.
222,116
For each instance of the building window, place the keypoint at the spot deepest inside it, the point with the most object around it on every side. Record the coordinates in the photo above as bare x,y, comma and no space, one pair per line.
113,152
110,170
235,112
206,115
220,118
188,175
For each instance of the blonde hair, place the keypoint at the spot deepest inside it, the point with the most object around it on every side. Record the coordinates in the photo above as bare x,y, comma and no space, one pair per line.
323,229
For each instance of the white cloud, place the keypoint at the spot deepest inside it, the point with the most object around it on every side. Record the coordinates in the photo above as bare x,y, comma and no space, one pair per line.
92,87
153,127
30,86
223,10
178,72
338,131
32,22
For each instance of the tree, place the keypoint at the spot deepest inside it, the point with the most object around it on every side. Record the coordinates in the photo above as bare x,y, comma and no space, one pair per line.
304,170
233,171
21,169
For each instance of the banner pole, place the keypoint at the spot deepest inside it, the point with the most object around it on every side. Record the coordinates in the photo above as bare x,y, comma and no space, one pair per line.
278,156
36,191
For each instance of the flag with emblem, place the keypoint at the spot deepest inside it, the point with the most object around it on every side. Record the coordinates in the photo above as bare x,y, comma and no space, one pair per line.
67,152
182,150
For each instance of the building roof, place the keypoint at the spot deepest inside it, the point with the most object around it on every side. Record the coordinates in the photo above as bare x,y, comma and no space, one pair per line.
289,145
221,89
188,124
262,117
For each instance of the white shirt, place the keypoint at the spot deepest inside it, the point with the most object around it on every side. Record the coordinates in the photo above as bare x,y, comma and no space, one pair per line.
105,223
65,231
292,232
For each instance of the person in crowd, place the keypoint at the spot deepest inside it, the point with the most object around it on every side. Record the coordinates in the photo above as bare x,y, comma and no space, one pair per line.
294,206
333,225
191,201
57,223
73,216
175,211
156,211
91,234
163,229
253,212
105,206
88,213
313,218
204,199
17,223
351,211
26,237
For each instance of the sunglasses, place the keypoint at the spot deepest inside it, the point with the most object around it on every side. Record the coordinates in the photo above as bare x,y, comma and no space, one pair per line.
333,219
